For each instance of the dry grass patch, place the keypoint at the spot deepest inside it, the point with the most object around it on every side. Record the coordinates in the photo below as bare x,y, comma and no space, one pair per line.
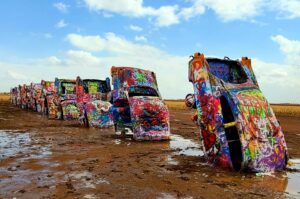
4,96
286,110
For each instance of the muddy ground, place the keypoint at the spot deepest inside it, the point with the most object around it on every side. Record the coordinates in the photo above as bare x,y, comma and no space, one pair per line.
41,158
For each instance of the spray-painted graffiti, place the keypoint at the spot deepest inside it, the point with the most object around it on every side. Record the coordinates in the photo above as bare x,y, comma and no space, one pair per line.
14,96
63,101
24,97
92,100
237,124
47,98
137,104
36,97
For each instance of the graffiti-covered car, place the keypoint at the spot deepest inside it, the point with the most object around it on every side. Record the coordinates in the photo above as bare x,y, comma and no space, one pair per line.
64,100
48,104
237,125
14,96
25,96
93,97
137,104
36,100
19,99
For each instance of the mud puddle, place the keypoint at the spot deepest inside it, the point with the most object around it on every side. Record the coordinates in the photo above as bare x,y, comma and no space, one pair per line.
185,146
52,159
293,186
12,142
16,142
286,182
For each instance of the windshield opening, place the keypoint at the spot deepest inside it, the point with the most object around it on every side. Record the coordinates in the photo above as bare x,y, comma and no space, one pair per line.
228,70
68,88
142,91
93,87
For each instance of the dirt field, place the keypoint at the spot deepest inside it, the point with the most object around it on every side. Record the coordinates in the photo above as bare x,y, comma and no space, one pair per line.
41,158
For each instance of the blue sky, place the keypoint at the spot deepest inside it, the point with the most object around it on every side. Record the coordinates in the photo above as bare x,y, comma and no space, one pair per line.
48,39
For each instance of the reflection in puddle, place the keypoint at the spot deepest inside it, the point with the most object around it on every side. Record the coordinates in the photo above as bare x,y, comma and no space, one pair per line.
185,146
78,175
171,161
12,143
294,178
86,179
117,141
287,182
90,196
102,181
165,196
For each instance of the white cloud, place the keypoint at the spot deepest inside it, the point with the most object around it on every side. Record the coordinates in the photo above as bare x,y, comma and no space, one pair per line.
140,38
171,70
111,43
135,28
61,24
53,60
88,43
82,58
279,82
287,8
16,75
229,10
290,48
226,10
198,8
164,16
126,7
283,77
61,7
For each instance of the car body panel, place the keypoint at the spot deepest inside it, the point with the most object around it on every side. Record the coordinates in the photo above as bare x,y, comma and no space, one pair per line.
93,102
227,93
149,118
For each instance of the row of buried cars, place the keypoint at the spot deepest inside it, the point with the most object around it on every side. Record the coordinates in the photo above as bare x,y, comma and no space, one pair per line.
134,106
238,128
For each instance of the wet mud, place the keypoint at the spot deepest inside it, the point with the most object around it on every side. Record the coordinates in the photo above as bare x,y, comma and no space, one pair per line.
41,158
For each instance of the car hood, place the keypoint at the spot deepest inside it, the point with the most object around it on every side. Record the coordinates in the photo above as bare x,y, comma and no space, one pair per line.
254,113
150,118
148,107
261,135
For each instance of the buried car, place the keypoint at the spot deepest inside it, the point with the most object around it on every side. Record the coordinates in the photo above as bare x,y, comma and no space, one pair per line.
14,96
238,127
93,102
47,102
36,100
137,105
24,96
63,105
